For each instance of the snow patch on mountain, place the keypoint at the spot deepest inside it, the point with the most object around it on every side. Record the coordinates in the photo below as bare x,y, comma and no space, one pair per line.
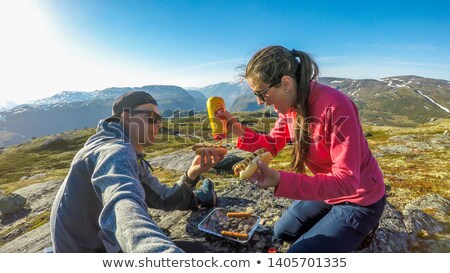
66,97
354,93
430,99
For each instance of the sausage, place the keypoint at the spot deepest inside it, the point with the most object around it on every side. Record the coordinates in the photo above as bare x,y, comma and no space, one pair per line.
239,214
199,148
237,235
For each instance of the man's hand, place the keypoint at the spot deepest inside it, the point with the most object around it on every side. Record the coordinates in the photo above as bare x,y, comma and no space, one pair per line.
265,177
203,162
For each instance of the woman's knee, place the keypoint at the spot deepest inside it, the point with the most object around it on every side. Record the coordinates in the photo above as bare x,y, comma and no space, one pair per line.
287,227
298,219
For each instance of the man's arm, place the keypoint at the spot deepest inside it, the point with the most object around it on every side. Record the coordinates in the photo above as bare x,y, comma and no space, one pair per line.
180,196
177,197
124,218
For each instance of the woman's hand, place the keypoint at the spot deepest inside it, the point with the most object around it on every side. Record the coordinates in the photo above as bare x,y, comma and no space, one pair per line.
265,177
232,124
203,162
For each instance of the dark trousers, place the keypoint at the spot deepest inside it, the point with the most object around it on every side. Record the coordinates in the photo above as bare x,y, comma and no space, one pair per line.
315,226
191,245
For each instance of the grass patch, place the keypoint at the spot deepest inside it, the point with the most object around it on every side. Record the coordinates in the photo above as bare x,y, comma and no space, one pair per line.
38,221
431,211
27,225
376,135
413,175
36,156
13,186
168,177
283,159
13,166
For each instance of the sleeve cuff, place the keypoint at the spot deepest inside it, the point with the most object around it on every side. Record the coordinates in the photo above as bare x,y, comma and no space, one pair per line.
285,187
186,181
241,141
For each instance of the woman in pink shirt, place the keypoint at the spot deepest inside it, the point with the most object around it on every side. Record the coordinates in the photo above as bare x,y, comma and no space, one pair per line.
338,207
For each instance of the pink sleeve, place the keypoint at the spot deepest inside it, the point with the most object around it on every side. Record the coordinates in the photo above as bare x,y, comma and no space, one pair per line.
273,142
344,137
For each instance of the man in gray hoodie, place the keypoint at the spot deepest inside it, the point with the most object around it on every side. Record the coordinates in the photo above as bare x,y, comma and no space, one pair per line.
102,204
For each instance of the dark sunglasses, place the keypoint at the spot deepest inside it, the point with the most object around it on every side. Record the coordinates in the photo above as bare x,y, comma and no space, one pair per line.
261,94
152,118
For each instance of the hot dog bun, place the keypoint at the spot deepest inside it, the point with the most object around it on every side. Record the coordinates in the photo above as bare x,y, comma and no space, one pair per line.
199,148
248,166
253,166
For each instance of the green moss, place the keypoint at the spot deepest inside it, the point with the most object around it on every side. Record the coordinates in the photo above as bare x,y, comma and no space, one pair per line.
38,221
29,224
166,176
34,156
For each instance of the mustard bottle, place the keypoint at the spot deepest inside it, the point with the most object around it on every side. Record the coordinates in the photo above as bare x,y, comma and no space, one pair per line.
218,126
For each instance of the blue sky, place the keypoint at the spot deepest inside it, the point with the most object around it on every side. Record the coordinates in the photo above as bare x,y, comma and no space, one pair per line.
50,46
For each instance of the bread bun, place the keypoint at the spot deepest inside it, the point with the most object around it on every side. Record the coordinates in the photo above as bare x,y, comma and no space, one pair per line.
219,149
249,166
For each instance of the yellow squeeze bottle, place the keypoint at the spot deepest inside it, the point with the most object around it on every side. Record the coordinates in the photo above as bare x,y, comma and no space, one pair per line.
218,126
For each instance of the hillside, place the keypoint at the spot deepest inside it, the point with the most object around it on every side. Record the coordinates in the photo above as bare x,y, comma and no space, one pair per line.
200,99
229,91
414,161
396,101
403,100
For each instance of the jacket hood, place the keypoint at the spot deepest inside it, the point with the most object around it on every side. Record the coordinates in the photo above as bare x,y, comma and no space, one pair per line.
108,131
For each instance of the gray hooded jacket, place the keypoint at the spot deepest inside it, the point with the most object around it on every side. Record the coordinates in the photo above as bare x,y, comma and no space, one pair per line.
102,204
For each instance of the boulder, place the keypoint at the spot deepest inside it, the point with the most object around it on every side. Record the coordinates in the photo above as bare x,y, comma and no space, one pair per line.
40,196
418,222
37,176
395,149
177,161
227,163
391,235
11,204
439,205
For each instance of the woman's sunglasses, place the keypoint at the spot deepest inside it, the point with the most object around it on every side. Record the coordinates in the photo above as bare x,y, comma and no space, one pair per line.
152,118
262,94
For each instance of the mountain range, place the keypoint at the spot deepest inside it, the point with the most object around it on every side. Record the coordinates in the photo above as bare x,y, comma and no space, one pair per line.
400,100
4,106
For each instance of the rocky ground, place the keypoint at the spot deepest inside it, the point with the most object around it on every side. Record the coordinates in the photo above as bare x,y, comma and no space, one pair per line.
24,216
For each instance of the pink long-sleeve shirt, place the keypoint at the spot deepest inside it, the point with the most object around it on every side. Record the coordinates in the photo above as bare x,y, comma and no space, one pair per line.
339,157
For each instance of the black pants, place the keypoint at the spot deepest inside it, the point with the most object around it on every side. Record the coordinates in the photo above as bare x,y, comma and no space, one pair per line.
190,245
